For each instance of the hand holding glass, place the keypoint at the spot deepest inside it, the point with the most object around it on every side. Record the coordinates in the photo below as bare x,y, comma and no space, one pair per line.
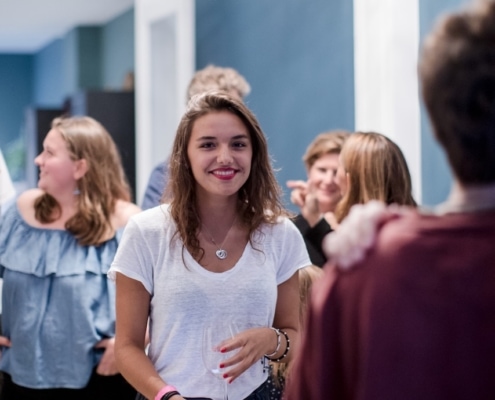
213,337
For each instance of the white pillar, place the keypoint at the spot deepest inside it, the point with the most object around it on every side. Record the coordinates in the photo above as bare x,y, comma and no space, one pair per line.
165,63
386,45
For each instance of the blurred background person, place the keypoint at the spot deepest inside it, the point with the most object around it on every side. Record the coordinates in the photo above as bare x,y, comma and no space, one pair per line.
56,246
209,78
372,167
279,371
414,319
318,196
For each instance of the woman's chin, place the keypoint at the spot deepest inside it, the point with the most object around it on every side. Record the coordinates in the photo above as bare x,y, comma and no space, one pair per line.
328,205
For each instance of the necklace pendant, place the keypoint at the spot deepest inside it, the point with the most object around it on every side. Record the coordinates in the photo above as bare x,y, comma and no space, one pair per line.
221,254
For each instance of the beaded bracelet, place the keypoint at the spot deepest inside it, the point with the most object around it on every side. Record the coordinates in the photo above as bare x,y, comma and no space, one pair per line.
287,348
277,331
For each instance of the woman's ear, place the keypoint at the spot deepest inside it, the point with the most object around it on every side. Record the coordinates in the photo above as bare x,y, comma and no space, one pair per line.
81,167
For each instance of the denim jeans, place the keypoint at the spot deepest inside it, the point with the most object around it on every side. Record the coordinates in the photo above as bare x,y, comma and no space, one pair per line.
261,393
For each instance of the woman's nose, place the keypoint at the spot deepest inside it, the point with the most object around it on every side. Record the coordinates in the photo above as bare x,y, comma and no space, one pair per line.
330,177
38,159
224,155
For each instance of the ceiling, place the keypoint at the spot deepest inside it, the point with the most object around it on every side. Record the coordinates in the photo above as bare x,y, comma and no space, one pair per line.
26,26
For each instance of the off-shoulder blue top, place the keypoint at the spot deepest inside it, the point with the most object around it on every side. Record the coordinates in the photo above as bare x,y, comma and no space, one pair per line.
57,303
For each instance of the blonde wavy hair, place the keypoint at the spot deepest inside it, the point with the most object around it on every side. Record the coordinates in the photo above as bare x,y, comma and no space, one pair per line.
307,276
259,199
325,143
101,186
222,79
377,170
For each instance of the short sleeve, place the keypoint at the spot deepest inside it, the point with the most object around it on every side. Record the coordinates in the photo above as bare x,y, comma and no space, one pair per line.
293,252
133,258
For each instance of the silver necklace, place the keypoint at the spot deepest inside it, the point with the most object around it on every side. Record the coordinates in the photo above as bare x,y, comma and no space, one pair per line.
221,253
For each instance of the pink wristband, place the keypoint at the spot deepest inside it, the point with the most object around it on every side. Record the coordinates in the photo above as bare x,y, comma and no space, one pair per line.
163,390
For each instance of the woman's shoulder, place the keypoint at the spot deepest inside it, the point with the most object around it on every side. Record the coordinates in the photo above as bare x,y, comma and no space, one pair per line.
124,210
25,205
149,219
281,230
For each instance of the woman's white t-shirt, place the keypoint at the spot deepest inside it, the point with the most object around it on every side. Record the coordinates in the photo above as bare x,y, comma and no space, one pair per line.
185,297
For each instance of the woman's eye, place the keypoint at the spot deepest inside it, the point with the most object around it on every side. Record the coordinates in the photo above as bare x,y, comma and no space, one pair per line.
206,145
240,144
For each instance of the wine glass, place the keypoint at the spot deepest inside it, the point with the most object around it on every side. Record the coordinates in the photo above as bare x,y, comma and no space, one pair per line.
213,337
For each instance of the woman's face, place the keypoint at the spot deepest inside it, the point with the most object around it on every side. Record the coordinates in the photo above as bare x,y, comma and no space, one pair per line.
342,178
58,172
321,177
220,154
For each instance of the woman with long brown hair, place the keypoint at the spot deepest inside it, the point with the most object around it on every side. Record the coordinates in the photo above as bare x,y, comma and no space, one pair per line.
222,250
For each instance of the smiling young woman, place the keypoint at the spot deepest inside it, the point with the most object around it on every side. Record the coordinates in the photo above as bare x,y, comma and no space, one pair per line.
222,250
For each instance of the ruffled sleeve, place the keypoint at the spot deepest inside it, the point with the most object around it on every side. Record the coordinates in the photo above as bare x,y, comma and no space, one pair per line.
43,252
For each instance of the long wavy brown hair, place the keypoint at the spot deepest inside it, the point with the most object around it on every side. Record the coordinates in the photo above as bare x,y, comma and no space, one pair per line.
259,199
98,190
377,171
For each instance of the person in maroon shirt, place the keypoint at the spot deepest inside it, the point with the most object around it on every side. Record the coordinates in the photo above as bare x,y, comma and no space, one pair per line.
406,309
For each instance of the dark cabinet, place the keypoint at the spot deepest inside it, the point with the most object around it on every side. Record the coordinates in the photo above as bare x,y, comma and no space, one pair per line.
116,111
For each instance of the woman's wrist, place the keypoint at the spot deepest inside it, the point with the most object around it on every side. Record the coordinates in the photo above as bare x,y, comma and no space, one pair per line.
166,393
277,348
286,349
313,218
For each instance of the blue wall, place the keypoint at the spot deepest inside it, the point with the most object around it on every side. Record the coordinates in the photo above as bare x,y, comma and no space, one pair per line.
435,171
16,87
118,50
89,57
49,73
298,57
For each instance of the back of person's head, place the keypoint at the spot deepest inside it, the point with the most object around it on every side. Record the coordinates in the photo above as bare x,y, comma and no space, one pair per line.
457,72
325,143
213,78
260,193
376,170
103,183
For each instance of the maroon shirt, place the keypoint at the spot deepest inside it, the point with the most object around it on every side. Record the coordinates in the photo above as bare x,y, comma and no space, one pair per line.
414,320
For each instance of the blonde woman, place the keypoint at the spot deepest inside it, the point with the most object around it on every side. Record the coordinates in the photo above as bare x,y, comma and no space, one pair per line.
372,167
56,245
318,196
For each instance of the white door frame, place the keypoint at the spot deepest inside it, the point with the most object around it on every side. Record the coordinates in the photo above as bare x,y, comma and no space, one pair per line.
163,71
